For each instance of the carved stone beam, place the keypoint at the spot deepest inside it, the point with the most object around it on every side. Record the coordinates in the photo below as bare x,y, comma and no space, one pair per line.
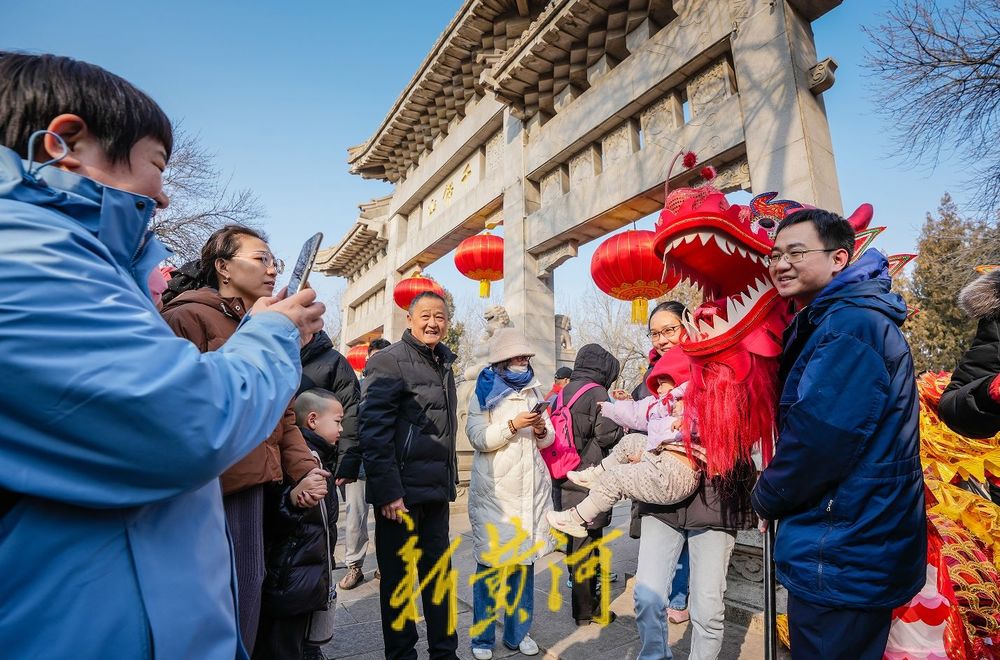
549,260
821,76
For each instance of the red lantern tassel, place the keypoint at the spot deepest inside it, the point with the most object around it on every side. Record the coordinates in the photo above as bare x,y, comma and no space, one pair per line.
484,288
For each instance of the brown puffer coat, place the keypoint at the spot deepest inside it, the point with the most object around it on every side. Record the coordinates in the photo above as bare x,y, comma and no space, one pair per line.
207,319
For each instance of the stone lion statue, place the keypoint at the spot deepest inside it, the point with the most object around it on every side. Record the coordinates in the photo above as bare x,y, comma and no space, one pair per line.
563,328
496,318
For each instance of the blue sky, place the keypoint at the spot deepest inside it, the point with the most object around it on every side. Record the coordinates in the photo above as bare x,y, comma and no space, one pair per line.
280,90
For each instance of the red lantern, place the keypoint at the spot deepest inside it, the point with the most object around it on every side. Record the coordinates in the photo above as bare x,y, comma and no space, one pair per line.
357,357
413,286
625,267
481,258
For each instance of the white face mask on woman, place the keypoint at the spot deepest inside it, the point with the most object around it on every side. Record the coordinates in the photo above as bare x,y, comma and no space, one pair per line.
518,368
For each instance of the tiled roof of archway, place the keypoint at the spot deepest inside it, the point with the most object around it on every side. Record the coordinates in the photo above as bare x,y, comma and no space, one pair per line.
365,240
563,42
443,86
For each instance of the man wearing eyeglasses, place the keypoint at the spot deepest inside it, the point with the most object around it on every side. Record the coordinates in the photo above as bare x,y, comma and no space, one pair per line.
845,482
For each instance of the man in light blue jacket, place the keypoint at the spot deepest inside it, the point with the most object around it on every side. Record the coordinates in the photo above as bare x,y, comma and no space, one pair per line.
113,431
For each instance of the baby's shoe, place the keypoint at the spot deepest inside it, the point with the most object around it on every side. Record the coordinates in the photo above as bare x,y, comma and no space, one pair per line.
567,523
585,478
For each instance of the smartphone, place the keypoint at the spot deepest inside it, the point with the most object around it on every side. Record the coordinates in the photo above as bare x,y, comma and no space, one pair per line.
540,407
304,264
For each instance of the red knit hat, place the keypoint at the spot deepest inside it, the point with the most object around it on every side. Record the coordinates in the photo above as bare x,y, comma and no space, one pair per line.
675,363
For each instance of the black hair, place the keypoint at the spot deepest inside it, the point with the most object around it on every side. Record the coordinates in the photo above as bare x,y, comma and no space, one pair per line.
35,89
835,232
424,295
676,308
312,400
378,345
222,244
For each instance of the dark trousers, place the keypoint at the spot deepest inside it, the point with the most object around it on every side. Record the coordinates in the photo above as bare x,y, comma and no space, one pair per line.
245,519
583,599
830,633
431,529
281,638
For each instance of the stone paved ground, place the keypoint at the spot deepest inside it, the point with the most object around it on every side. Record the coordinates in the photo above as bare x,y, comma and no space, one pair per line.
359,633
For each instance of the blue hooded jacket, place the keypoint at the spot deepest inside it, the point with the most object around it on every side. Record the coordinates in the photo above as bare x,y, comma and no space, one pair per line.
113,432
846,482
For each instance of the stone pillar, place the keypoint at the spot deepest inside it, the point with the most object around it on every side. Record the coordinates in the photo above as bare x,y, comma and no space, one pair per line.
528,298
395,318
787,135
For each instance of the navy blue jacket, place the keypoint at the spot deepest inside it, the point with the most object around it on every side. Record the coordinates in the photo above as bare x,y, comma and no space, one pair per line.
846,482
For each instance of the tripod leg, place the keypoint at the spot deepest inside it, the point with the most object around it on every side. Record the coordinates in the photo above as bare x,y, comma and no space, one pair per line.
770,604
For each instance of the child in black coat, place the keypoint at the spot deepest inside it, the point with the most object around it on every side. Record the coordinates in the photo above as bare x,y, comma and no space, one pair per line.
296,544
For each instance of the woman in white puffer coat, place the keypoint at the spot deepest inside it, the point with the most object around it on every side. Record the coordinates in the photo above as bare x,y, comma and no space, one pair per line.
510,491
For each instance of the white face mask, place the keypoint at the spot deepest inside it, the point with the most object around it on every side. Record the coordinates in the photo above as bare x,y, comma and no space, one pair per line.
518,368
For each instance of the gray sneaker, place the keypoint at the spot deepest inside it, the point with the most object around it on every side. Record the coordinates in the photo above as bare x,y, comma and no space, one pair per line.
352,578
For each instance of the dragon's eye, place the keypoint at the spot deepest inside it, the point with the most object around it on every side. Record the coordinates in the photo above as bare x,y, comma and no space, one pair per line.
766,223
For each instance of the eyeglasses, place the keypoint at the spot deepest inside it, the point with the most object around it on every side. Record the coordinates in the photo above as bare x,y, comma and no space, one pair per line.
666,332
792,256
267,259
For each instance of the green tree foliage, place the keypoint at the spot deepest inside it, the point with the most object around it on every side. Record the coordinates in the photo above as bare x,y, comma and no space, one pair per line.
456,329
950,247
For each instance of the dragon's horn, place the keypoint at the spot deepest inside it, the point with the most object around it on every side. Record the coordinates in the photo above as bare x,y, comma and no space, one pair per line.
861,217
897,262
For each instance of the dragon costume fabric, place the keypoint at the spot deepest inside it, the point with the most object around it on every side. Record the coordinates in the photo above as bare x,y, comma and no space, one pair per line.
957,613
736,338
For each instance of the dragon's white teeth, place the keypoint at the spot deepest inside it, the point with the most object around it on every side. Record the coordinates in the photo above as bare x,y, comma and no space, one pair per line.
705,236
741,251
731,309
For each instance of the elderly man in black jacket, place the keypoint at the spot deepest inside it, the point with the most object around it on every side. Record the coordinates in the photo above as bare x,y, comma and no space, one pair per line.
407,432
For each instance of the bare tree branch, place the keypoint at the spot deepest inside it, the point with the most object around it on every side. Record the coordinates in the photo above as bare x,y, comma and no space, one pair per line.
200,200
600,319
938,80
332,319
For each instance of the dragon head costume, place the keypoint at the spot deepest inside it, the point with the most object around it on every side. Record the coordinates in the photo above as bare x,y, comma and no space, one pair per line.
735,335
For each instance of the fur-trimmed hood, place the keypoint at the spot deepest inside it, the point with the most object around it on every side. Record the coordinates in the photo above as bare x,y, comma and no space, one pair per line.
981,298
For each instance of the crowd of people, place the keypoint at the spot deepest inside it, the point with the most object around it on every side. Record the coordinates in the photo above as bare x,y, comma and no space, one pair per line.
173,454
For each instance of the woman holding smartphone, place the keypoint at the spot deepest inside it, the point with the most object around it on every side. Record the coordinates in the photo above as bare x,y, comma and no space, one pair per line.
205,303
510,491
